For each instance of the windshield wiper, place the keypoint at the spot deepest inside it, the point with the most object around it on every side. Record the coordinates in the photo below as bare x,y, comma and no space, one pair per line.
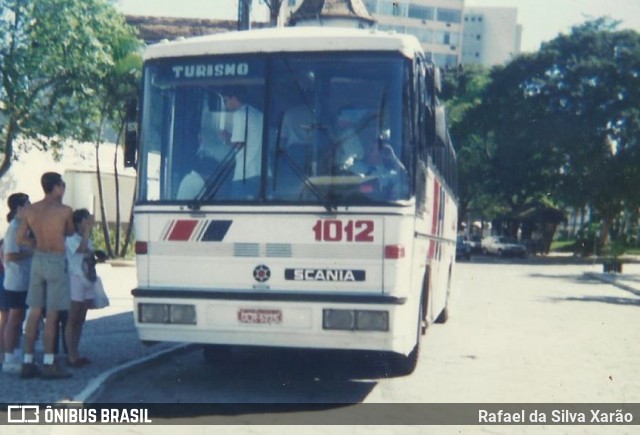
216,180
300,173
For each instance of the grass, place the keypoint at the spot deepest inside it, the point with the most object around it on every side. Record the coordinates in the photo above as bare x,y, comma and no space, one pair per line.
563,245
569,246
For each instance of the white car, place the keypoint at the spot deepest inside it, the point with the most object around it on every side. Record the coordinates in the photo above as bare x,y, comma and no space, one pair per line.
503,246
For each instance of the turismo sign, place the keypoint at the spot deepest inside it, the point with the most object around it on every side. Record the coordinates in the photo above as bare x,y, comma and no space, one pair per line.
209,69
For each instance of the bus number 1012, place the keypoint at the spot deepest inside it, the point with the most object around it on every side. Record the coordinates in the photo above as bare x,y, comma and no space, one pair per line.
332,230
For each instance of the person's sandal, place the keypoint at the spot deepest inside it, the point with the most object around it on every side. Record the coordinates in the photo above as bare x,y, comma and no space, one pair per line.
52,371
84,360
79,363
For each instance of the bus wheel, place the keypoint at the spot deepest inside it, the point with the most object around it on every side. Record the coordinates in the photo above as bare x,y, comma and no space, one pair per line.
443,316
216,354
405,365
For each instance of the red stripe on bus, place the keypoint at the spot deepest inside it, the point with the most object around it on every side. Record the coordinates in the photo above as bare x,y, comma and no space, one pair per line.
436,207
182,230
434,221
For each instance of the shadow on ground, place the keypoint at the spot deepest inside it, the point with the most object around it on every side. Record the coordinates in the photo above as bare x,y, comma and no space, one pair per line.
251,376
603,299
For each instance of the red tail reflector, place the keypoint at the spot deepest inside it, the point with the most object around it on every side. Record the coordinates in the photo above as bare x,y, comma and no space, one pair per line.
141,248
393,252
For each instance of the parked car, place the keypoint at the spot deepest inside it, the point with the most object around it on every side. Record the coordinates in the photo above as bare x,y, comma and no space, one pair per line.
463,249
503,246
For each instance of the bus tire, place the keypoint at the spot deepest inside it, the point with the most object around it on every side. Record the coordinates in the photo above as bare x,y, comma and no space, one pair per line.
405,365
443,316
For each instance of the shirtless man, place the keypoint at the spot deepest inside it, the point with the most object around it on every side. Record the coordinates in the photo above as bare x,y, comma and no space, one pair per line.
50,222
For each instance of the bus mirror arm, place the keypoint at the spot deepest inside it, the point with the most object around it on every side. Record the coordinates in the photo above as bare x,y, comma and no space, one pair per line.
131,134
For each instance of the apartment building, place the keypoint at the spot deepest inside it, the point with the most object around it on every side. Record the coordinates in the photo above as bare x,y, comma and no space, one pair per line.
491,36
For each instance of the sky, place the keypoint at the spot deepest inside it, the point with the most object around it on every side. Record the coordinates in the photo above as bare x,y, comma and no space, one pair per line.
542,20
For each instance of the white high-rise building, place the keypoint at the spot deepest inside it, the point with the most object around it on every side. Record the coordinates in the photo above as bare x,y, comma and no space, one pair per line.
492,35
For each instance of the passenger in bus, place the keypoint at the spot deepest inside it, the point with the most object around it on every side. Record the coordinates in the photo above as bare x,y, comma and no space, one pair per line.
246,137
348,147
295,141
387,174
297,126
192,184
299,121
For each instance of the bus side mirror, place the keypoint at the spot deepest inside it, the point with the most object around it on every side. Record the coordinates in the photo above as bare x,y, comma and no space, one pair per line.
440,121
437,80
131,134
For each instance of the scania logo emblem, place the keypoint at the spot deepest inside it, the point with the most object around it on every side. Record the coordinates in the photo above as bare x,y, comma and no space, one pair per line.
261,273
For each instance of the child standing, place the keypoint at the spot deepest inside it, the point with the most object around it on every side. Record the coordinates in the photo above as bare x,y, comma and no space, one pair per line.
83,280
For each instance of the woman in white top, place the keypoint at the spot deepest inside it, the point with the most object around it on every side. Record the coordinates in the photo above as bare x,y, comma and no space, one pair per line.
17,265
83,279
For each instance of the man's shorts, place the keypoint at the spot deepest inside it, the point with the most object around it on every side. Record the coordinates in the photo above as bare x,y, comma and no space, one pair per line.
81,288
49,283
4,303
16,300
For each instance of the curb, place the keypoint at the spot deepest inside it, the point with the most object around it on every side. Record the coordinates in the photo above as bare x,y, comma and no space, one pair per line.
95,384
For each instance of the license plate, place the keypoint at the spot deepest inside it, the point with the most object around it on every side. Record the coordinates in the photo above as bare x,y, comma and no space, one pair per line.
252,316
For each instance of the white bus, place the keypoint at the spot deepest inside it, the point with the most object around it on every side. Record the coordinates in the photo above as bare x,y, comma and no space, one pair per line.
295,190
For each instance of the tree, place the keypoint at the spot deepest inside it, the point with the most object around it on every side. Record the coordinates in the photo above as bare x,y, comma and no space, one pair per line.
114,92
68,68
524,156
50,54
592,88
462,92
560,126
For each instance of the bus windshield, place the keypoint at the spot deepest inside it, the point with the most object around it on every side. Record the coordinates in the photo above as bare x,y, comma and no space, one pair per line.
284,128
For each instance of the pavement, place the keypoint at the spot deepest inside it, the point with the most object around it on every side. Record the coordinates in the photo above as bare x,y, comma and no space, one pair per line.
111,342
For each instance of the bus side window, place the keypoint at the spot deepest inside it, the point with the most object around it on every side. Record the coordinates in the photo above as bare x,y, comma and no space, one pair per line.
422,119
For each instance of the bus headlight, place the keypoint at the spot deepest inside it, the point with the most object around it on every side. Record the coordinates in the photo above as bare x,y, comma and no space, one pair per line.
338,319
182,314
355,320
153,313
178,314
372,320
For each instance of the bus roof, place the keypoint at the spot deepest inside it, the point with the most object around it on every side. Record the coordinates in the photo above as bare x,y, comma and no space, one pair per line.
288,39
